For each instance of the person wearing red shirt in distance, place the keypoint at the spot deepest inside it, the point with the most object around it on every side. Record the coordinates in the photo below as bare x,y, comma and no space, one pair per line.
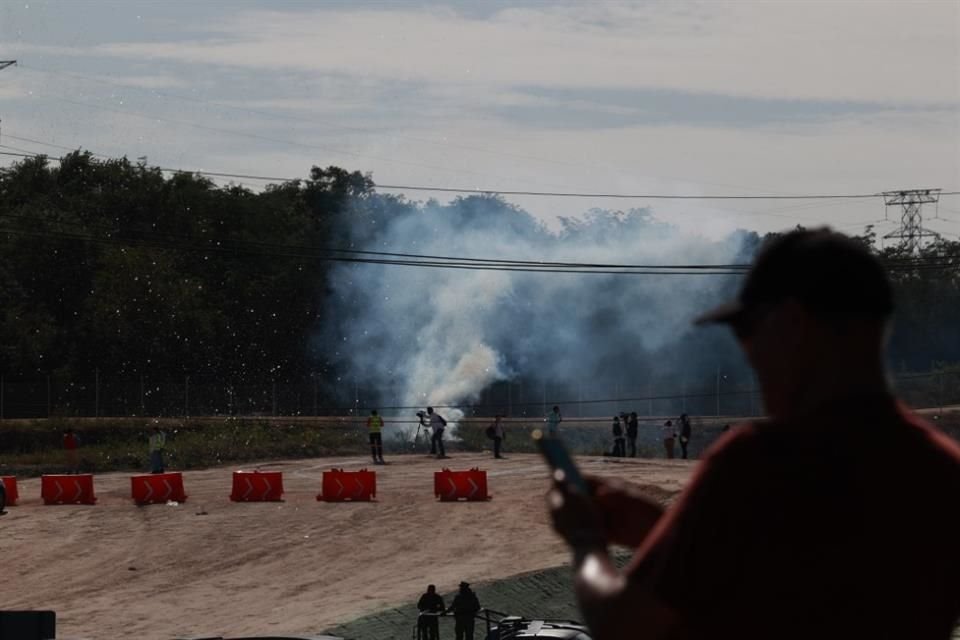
71,445
836,517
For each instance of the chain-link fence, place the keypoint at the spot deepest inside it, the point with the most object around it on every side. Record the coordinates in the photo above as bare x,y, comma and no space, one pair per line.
100,394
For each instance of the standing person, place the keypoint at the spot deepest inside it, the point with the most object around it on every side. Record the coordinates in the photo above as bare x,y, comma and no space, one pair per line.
375,428
437,425
685,433
821,534
633,429
669,436
619,444
71,445
496,433
465,606
431,607
158,442
553,421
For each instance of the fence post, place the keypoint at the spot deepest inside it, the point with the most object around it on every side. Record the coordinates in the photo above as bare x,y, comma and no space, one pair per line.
940,393
718,391
580,400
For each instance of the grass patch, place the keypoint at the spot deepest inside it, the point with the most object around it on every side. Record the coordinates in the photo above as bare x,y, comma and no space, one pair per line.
34,447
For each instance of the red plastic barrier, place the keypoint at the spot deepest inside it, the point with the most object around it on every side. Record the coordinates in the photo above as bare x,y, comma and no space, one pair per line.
10,484
257,486
157,488
470,485
67,489
342,486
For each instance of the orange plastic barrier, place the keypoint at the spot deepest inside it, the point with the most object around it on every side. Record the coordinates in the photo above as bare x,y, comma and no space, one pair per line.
10,485
257,486
470,485
157,488
341,486
67,489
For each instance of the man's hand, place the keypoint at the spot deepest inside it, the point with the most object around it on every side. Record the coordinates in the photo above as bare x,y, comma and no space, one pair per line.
628,514
576,517
615,512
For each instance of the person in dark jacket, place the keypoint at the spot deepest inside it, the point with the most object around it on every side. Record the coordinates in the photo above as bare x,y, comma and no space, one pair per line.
464,607
685,433
633,428
431,608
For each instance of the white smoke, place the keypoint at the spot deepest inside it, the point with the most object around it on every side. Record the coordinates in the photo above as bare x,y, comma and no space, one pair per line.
439,337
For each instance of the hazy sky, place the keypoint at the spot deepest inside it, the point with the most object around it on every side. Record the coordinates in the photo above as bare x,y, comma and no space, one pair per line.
669,97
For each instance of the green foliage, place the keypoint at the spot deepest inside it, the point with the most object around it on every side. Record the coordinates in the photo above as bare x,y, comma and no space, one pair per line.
111,265
35,447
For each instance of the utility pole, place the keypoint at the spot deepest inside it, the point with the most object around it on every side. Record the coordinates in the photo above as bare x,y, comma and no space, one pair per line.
911,232
6,63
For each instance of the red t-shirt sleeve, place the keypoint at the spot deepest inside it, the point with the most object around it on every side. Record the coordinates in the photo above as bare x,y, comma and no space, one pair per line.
694,558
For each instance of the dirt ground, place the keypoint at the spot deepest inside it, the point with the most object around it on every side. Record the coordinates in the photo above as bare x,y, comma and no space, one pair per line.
296,567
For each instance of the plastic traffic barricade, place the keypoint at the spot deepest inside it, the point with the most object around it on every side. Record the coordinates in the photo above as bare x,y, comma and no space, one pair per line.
348,486
257,486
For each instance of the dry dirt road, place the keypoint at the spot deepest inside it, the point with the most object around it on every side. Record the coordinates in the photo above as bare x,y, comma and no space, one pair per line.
116,570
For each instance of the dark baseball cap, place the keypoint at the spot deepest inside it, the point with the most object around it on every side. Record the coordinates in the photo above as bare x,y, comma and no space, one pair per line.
824,270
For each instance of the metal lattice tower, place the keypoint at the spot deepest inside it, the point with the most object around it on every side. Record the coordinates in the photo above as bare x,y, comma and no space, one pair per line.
911,232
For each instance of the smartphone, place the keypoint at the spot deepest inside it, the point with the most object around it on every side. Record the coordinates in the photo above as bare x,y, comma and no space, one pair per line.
558,457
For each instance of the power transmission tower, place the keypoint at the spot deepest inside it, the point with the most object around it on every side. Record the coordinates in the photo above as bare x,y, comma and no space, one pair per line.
911,232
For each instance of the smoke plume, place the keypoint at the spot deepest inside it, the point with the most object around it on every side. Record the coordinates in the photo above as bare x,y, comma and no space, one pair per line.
422,336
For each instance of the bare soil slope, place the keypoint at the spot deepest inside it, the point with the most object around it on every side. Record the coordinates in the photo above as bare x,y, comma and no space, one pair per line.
295,567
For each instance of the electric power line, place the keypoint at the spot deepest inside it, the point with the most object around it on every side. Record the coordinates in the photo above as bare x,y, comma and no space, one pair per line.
134,238
324,124
555,194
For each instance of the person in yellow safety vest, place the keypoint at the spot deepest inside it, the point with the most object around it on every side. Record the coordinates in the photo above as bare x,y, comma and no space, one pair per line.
158,441
375,427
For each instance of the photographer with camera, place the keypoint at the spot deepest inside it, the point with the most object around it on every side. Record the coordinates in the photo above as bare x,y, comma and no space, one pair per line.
437,424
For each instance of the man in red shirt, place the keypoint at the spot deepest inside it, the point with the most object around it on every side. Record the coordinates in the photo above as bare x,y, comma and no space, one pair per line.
837,517
71,444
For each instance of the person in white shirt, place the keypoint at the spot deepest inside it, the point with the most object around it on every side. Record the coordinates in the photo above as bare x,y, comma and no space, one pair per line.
497,433
553,421
669,436
437,425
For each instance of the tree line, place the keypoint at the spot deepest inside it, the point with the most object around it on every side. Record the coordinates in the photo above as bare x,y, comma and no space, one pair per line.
113,265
